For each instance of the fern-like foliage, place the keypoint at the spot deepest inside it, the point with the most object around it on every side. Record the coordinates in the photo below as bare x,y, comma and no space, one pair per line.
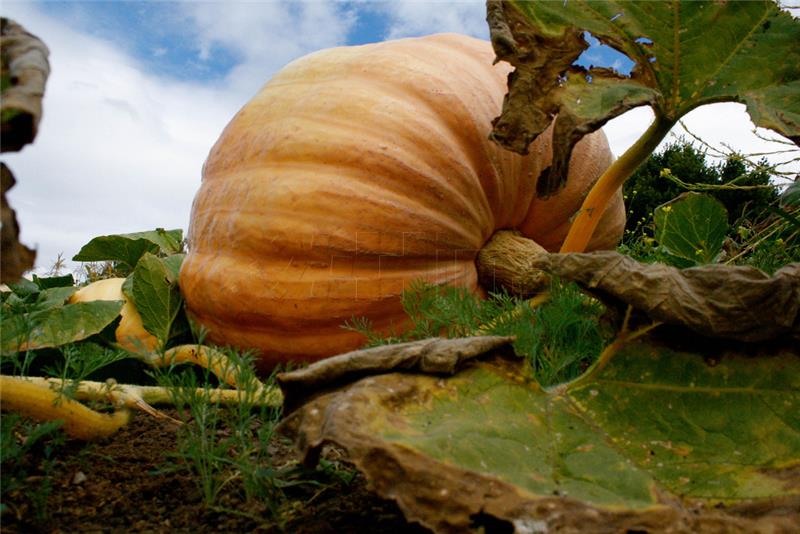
560,338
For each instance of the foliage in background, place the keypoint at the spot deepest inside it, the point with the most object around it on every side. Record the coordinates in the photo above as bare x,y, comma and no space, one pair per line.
648,188
559,338
764,229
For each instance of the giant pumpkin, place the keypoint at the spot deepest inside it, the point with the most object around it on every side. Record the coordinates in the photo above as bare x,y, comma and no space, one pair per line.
353,172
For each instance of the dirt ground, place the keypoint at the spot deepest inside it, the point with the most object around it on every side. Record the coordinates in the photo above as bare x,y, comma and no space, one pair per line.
115,486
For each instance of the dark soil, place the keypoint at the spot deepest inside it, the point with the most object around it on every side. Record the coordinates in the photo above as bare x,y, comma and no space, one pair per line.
122,485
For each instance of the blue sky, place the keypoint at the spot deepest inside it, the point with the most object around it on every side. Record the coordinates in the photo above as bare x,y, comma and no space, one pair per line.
139,92
162,38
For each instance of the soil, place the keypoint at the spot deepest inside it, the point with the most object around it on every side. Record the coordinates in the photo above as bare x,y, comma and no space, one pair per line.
121,485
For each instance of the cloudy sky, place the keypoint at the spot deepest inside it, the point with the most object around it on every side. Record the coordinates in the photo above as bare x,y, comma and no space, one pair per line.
139,91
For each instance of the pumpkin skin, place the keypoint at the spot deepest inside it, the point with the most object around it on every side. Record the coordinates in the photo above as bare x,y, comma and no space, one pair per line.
353,172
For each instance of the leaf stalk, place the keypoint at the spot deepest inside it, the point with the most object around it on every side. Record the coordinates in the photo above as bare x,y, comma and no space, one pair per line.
609,182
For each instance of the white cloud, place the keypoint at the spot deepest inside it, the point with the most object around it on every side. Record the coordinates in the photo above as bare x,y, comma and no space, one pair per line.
266,35
121,150
725,126
409,18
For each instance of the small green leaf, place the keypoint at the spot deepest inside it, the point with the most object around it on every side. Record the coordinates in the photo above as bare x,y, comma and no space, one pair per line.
155,293
116,248
54,281
24,288
56,326
691,229
173,263
128,248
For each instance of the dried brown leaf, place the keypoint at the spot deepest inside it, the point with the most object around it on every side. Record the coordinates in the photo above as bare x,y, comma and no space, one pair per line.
15,258
733,302
25,69
432,356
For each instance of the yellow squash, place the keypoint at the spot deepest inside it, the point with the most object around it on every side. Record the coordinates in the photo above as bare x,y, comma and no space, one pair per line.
130,333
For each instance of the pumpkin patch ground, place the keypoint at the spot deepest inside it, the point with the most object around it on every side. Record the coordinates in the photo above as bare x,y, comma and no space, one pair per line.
119,485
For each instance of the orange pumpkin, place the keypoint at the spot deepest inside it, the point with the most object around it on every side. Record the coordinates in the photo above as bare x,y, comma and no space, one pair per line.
353,172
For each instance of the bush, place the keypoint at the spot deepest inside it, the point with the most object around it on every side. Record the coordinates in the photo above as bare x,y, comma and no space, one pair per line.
647,188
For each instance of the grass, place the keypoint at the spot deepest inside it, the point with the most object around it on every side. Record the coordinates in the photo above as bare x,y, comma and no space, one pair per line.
224,445
559,338
227,447
21,441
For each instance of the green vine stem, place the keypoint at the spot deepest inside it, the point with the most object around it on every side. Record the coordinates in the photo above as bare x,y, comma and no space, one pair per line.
595,202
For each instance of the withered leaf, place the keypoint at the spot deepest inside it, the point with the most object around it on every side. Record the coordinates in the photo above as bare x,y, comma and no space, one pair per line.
650,439
15,258
686,54
25,69
733,302
433,356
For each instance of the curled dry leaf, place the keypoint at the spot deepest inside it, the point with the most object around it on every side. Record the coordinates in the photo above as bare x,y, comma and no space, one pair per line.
673,73
733,302
433,356
15,258
650,439
726,301
25,69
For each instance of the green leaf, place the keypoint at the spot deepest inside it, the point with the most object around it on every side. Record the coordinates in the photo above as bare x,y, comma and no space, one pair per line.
24,288
173,264
54,281
155,293
116,248
53,297
691,229
791,197
676,68
56,326
650,437
168,241
128,248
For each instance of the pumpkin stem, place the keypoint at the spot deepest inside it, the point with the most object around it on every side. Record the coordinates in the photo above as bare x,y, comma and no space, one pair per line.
609,182
507,261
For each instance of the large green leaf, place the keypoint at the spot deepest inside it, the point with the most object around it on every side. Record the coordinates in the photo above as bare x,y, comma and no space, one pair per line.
155,293
691,229
687,53
650,439
56,326
116,248
53,297
169,241
128,248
